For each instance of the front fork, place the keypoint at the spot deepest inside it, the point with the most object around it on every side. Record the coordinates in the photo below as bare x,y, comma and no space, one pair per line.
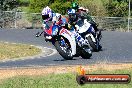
98,35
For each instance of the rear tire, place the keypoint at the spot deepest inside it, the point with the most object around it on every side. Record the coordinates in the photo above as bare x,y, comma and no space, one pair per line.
65,55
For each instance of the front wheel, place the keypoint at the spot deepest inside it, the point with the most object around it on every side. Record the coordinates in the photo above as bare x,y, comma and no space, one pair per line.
64,48
86,53
95,45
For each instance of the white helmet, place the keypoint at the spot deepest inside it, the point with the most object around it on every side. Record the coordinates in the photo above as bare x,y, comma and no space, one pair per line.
46,11
83,9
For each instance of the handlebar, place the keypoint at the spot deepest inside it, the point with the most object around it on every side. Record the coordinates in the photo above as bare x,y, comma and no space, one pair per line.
38,34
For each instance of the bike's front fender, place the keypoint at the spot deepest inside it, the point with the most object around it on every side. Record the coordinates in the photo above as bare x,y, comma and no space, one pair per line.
68,35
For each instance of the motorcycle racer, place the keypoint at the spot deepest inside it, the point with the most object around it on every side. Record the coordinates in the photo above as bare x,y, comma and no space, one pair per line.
49,17
73,18
83,13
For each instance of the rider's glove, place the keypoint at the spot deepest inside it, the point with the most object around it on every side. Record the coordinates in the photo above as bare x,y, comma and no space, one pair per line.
69,26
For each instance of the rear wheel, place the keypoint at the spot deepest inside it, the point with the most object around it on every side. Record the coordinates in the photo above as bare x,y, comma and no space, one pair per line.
64,48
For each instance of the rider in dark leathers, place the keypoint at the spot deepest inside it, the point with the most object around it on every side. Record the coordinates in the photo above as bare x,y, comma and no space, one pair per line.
82,13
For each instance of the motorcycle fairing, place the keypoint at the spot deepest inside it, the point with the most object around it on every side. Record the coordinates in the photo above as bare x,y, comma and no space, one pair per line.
83,28
52,30
68,35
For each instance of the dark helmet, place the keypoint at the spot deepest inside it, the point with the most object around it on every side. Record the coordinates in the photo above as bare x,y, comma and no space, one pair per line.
72,15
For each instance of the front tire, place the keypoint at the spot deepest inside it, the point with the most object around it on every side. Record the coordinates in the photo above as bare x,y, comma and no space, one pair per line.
86,54
66,55
96,47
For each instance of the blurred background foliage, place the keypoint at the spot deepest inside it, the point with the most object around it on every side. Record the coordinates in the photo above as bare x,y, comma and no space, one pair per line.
117,8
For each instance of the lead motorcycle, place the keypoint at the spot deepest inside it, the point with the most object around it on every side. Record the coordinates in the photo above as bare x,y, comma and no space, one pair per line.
65,42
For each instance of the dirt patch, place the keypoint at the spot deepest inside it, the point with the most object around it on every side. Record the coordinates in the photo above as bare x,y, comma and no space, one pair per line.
7,73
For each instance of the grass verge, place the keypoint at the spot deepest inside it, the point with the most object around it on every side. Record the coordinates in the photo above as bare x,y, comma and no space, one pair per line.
10,51
66,80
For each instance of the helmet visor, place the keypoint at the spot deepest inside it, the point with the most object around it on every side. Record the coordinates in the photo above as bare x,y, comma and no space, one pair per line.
44,17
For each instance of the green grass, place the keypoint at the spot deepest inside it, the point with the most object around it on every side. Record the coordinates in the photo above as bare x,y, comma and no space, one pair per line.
10,51
67,80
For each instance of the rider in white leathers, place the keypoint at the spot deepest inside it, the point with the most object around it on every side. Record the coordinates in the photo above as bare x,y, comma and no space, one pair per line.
49,17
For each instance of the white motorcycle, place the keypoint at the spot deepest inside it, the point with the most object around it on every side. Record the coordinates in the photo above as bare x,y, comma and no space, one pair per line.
86,30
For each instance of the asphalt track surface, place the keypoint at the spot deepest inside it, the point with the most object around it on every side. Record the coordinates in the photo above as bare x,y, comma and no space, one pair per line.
117,48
